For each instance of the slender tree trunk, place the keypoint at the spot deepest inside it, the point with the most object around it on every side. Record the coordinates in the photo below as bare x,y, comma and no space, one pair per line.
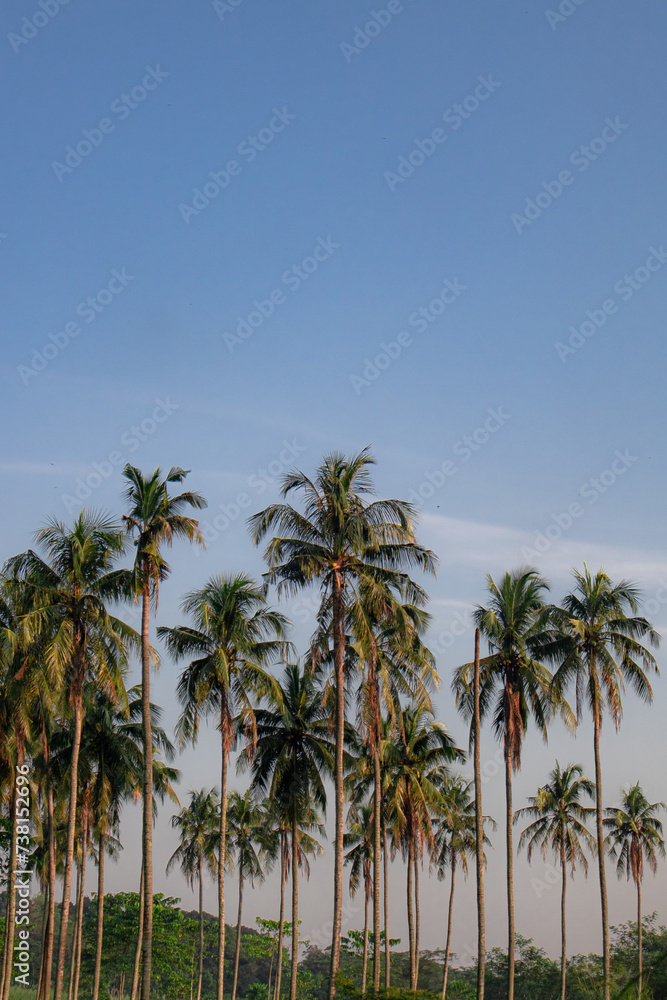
223,849
417,916
69,856
140,931
100,917
479,829
387,949
75,935
51,927
377,845
640,956
510,872
79,931
295,910
45,930
147,819
281,921
411,921
238,931
563,939
201,923
449,929
10,909
339,660
600,840
364,961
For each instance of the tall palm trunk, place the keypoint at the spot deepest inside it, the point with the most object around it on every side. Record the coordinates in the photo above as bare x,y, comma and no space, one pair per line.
377,842
509,816
75,935
417,915
147,818
10,911
295,910
600,833
79,924
449,928
45,930
238,931
140,933
563,940
339,659
51,923
224,737
201,922
69,856
100,917
479,829
411,922
364,961
640,956
281,920
387,956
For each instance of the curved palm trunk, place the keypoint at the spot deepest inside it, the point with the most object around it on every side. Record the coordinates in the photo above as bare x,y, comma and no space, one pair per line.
69,856
238,930
100,918
417,916
281,921
223,848
147,818
387,956
364,961
411,922
339,659
479,829
563,940
377,842
640,957
140,932
510,872
449,929
201,923
10,897
295,911
600,840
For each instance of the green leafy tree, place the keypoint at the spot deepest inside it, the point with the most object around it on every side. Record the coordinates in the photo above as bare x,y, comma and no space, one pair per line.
635,834
343,542
559,825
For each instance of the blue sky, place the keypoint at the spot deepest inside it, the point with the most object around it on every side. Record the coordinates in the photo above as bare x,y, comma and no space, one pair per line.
312,213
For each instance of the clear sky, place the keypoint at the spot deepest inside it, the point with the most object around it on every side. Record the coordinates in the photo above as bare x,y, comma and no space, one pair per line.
236,236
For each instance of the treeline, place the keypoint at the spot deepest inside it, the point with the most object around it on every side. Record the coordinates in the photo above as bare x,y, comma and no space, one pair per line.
353,710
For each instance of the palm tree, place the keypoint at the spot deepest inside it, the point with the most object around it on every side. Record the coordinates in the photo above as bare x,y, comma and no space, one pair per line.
514,623
455,842
246,825
417,758
155,519
560,825
196,824
340,541
595,644
70,587
233,637
360,842
635,833
292,754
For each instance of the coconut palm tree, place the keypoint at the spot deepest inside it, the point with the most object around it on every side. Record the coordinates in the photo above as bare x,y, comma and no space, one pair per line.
635,833
197,826
515,685
340,540
596,645
246,825
417,758
455,841
559,825
292,754
233,637
70,586
154,519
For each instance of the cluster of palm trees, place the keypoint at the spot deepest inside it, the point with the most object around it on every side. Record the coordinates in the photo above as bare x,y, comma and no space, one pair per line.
356,710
